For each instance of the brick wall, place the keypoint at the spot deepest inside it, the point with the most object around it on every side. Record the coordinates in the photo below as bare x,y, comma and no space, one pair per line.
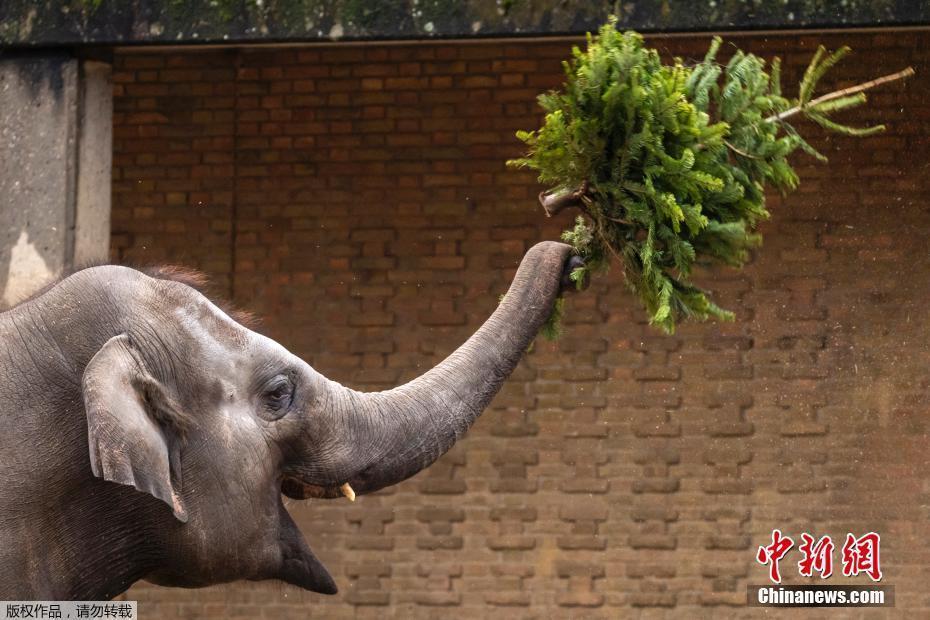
356,197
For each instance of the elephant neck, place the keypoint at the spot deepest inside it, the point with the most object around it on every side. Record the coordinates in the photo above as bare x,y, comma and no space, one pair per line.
99,559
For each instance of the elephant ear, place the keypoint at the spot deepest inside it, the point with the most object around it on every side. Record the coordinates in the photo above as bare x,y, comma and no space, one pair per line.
133,427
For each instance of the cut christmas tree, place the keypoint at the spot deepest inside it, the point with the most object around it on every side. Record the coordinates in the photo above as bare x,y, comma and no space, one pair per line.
669,164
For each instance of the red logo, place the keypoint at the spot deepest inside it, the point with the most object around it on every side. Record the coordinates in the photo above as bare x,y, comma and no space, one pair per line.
773,553
817,557
860,555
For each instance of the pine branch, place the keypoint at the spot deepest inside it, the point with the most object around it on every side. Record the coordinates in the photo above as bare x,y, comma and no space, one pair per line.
676,158
905,73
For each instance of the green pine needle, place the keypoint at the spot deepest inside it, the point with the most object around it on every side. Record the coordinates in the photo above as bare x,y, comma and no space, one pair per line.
676,160
552,328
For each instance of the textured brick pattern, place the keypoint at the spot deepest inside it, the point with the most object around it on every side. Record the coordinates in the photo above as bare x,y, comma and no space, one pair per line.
356,197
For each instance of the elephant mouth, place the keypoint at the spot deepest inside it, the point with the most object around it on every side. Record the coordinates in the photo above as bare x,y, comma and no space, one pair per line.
295,488
299,566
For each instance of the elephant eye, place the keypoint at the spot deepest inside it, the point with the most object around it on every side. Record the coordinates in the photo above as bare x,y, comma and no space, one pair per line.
279,394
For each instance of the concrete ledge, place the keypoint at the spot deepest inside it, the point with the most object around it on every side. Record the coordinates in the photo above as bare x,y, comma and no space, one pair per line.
117,22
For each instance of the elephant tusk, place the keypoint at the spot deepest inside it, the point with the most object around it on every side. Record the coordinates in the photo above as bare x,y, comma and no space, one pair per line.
348,492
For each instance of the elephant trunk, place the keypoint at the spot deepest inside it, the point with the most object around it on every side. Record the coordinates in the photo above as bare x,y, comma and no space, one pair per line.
416,423
377,439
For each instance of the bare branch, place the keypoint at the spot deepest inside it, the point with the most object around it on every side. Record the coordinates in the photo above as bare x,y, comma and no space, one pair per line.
852,90
740,152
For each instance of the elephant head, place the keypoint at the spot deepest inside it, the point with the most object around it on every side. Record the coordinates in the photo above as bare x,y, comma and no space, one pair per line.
196,425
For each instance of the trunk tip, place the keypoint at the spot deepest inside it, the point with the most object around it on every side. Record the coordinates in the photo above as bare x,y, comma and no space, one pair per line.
567,284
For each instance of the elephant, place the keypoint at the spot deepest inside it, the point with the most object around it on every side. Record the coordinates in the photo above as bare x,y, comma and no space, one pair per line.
146,434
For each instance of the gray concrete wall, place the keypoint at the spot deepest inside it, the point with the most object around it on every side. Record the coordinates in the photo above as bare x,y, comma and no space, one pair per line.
118,22
55,152
94,156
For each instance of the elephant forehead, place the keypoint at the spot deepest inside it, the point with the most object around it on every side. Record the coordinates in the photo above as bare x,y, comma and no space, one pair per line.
230,352
207,324
217,343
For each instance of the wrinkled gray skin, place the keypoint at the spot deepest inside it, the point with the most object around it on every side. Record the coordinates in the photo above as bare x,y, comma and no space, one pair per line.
144,434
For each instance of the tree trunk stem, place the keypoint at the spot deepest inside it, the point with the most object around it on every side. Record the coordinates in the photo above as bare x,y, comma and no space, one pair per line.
553,204
852,90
